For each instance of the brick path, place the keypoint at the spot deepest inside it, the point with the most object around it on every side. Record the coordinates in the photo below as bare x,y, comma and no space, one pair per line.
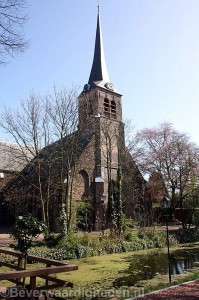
185,291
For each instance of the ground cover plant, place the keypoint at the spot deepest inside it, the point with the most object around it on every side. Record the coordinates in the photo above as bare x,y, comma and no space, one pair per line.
86,245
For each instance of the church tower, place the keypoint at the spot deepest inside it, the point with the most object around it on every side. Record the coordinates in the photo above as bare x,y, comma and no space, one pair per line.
99,97
100,116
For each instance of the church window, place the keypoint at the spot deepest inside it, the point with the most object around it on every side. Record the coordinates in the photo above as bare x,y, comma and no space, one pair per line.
83,184
113,109
84,110
90,109
106,107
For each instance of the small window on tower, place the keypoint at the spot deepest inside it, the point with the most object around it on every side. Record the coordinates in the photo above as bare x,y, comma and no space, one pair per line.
113,109
83,110
90,110
106,107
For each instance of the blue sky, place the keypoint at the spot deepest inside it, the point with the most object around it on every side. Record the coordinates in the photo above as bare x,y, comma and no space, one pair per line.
151,49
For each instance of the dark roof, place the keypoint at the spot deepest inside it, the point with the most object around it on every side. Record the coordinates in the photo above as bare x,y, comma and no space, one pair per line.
73,146
13,157
50,159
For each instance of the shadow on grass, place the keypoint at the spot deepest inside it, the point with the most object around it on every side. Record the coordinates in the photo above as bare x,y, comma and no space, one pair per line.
145,267
142,267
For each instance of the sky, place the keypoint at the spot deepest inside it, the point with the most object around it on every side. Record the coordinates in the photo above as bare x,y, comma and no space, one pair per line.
151,49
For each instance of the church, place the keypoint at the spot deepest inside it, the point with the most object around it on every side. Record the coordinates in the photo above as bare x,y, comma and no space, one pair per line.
103,153
103,119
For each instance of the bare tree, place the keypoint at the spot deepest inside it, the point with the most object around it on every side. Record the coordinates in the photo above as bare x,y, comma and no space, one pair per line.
171,154
64,117
12,19
45,128
29,128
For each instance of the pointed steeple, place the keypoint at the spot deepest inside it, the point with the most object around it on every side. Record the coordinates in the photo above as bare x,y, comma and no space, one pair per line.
99,70
99,74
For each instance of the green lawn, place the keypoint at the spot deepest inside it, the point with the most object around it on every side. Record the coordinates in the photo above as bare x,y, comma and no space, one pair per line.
98,271
103,272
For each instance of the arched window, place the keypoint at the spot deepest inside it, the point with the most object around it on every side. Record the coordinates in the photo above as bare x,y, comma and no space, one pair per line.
87,109
110,109
113,109
83,184
90,109
83,110
106,107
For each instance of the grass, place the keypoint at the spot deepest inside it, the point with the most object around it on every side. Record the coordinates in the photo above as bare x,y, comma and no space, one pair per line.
98,271
103,272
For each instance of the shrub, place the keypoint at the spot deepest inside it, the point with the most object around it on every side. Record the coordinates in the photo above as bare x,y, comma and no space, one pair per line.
86,245
129,223
52,239
187,235
130,236
195,218
24,231
157,237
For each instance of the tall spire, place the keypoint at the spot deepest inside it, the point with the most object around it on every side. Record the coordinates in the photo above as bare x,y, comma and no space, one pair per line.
99,71
98,5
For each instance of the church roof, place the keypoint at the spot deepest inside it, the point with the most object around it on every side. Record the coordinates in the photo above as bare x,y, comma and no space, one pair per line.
72,145
13,157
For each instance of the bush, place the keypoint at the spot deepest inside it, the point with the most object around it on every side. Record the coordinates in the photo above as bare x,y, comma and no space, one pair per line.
147,239
52,240
24,231
195,219
130,236
129,224
81,246
157,237
187,235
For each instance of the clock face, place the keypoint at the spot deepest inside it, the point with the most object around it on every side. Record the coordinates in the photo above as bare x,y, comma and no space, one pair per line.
109,86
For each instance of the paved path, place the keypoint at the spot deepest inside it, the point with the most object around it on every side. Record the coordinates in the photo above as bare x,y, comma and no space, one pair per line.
185,291
5,239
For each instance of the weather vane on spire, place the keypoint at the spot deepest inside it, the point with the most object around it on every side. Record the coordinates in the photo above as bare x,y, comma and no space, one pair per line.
98,5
